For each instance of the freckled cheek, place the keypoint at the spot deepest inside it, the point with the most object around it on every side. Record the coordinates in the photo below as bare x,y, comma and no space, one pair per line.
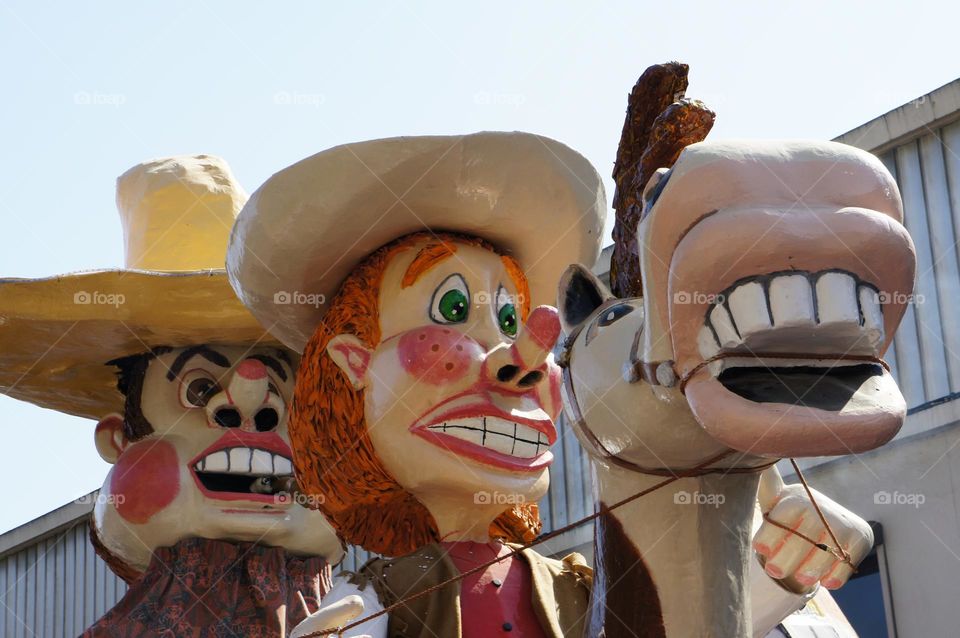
145,480
438,355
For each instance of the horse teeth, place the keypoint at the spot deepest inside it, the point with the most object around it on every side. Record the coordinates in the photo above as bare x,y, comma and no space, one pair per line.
837,299
707,343
791,301
830,310
872,315
723,325
748,305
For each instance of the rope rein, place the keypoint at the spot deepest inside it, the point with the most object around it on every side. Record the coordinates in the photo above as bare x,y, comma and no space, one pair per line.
699,470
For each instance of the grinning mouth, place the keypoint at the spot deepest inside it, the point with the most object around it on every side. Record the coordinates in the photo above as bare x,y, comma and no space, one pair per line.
824,312
792,366
247,473
516,440
497,434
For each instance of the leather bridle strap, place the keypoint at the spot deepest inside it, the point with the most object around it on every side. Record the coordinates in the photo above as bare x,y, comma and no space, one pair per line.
580,423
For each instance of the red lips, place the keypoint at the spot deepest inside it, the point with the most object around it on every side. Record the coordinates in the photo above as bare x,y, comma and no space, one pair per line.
477,409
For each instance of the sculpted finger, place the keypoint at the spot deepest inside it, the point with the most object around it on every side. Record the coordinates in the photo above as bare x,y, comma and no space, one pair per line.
770,537
837,576
785,560
815,566
858,543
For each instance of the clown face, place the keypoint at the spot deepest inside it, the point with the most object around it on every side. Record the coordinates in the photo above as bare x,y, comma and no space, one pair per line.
210,449
460,400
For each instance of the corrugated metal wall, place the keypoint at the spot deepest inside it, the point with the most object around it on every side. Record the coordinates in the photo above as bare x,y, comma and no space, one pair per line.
926,352
56,587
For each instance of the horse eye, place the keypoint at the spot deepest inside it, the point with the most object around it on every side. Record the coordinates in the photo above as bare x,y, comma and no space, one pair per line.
613,314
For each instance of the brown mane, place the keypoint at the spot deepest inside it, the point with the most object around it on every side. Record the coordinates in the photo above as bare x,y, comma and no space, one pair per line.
337,466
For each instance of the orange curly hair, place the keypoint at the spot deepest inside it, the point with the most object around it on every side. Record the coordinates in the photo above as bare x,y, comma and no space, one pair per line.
337,466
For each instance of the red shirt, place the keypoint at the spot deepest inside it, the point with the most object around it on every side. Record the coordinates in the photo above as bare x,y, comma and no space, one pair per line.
496,601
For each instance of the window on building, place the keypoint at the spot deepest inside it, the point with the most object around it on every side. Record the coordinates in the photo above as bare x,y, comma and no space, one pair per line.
862,599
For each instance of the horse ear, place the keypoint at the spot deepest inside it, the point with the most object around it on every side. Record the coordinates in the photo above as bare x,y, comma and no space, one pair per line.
581,292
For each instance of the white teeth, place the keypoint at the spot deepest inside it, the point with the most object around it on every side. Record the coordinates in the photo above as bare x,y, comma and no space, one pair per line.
791,301
707,343
788,313
503,443
261,462
216,462
240,460
525,450
872,316
244,460
282,465
837,298
494,433
726,333
748,305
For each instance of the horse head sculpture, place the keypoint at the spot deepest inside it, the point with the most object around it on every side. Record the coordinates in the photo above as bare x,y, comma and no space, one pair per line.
774,277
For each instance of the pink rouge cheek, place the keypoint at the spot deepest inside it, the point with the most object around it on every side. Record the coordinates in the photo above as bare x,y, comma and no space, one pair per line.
438,355
145,480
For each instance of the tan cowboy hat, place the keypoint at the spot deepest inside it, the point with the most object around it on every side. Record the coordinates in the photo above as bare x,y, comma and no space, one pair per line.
309,225
58,333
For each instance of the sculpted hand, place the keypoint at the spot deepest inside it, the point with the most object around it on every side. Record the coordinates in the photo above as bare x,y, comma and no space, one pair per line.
794,561
335,614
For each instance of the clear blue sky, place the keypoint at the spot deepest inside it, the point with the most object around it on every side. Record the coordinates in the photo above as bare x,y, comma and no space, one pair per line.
212,77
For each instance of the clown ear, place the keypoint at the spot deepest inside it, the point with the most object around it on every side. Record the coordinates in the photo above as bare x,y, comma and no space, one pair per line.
351,356
109,437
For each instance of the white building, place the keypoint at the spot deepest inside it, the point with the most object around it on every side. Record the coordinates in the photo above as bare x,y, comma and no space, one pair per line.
52,583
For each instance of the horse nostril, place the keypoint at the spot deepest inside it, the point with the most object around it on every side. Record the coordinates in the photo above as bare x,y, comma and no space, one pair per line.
227,418
266,419
530,379
507,372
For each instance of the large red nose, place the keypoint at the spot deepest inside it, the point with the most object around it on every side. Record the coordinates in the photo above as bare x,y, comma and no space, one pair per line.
521,366
252,369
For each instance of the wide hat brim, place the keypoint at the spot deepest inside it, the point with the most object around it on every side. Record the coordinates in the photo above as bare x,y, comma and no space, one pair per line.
58,333
304,230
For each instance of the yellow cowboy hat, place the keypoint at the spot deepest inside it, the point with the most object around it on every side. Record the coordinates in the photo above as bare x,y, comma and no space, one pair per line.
57,334
309,225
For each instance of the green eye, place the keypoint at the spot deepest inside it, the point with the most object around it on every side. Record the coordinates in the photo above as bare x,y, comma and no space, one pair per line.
453,306
451,301
507,316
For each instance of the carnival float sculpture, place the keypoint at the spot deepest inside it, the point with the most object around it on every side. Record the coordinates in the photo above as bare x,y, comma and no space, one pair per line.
191,397
775,354
748,325
427,392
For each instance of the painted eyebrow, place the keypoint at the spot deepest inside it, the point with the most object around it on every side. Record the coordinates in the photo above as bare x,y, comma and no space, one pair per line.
283,356
428,257
206,352
271,363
